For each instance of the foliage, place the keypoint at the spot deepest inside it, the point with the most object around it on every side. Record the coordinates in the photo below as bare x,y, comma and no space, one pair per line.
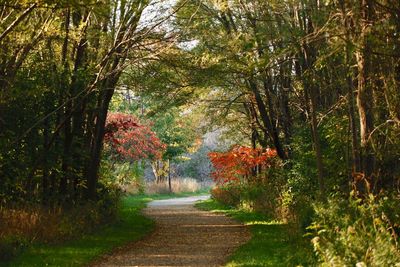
357,232
60,64
197,165
316,81
259,185
286,70
240,163
176,131
180,185
127,140
130,173
55,224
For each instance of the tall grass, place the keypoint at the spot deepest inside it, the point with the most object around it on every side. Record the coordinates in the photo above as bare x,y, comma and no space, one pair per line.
131,225
23,225
178,185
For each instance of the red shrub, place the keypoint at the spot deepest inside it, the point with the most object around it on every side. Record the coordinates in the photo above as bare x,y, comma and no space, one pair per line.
239,163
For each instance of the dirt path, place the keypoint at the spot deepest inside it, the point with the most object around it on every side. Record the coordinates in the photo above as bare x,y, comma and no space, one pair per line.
184,236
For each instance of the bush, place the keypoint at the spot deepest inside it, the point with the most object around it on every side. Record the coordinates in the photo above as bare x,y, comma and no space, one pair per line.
228,195
355,232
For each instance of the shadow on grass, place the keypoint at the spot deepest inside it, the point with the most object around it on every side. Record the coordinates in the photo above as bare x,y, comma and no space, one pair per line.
270,244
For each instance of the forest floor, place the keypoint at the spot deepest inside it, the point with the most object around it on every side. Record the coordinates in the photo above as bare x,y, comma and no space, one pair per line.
183,236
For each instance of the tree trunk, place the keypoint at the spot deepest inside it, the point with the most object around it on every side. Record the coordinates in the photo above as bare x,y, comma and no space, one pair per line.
169,176
365,90
308,56
317,142
45,175
284,106
94,164
154,167
273,134
310,96
97,143
355,149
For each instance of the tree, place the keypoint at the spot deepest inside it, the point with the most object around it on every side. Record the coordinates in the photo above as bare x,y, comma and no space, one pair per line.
68,59
127,140
178,135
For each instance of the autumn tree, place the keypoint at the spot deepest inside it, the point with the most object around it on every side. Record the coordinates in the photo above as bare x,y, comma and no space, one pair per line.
129,140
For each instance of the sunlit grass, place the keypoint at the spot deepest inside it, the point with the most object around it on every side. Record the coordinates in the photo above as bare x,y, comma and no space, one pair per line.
270,244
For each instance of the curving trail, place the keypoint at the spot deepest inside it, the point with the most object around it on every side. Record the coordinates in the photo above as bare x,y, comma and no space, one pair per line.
184,236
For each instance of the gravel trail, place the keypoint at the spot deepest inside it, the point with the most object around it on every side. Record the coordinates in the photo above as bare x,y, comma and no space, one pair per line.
184,236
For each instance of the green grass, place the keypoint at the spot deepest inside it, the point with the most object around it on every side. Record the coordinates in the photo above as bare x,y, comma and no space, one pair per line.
131,226
270,245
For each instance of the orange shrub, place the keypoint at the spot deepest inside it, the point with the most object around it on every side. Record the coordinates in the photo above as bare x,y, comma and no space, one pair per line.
240,163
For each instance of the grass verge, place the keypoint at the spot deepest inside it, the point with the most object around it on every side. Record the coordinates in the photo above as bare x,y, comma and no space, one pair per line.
130,226
270,245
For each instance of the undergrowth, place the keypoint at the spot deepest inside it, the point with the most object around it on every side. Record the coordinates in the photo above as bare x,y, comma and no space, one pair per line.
357,231
130,226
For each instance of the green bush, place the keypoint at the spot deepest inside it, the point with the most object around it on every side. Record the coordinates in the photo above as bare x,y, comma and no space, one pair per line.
356,232
11,246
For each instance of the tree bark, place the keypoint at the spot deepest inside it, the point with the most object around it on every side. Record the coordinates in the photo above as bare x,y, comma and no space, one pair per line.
273,134
317,141
97,143
73,112
169,176
365,90
355,148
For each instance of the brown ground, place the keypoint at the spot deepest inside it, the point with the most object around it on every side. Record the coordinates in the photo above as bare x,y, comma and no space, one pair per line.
184,236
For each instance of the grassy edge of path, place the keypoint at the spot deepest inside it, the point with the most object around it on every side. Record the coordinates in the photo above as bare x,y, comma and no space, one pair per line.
131,226
270,244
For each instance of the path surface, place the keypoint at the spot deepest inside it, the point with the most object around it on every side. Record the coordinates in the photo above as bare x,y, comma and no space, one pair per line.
184,236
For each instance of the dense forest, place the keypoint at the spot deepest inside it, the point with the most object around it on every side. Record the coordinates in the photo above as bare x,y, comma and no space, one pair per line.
304,95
